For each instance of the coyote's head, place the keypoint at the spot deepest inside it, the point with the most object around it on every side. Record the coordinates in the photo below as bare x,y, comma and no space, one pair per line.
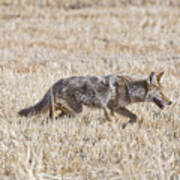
154,91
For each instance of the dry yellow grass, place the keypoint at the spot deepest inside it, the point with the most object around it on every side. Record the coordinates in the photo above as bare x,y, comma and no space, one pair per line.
41,44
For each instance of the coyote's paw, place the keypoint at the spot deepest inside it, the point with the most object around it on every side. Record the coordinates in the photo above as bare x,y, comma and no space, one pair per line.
124,125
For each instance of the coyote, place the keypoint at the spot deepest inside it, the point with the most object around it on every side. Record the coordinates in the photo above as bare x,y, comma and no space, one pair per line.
112,93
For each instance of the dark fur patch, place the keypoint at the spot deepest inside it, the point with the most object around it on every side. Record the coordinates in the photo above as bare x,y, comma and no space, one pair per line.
158,103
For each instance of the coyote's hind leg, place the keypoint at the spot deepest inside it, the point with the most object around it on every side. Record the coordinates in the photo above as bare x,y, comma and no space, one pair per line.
69,108
63,114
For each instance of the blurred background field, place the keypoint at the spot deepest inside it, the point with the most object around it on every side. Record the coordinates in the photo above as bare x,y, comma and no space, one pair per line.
43,41
79,4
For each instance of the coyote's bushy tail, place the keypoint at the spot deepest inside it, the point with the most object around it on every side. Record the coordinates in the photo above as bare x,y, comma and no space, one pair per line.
41,107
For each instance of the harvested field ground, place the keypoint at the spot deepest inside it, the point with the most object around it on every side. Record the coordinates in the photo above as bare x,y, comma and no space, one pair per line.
40,44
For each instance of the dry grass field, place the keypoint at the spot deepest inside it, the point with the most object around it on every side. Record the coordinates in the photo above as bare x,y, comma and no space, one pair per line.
44,41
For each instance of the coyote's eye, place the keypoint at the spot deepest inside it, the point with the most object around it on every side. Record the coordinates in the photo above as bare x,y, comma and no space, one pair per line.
154,88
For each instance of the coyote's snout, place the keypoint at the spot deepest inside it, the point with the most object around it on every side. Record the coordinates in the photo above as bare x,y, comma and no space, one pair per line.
112,93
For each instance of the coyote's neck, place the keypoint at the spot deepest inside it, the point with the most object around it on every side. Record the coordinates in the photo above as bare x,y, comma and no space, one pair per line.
137,91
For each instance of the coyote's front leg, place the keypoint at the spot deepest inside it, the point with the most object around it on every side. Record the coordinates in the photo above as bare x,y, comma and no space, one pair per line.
107,114
125,112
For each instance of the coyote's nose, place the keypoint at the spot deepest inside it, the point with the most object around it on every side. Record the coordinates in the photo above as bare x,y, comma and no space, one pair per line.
170,102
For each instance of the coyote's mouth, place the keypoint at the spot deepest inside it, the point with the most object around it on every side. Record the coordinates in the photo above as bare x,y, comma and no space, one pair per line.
158,103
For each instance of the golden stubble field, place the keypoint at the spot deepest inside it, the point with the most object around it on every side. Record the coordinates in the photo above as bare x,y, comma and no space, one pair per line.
41,44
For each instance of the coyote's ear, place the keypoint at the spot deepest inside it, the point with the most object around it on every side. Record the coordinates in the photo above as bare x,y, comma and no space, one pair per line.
152,78
159,77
